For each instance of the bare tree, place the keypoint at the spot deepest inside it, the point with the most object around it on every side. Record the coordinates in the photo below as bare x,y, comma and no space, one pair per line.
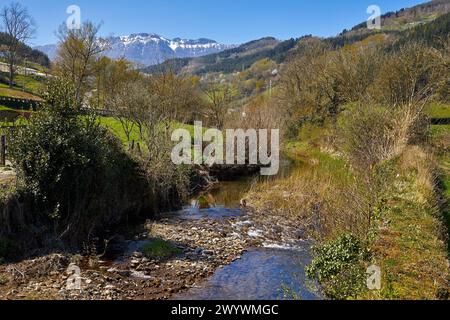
78,52
19,27
219,97
129,103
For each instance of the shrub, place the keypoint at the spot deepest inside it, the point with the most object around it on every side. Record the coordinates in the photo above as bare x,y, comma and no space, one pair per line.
73,175
371,134
339,267
408,75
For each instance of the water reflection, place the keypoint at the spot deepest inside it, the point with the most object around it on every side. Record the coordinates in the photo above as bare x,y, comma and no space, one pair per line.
225,199
261,274
270,273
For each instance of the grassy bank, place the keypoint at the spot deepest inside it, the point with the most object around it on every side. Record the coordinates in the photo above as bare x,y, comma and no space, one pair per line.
410,243
407,239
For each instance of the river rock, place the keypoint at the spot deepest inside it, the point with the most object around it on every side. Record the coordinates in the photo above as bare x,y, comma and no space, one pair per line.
208,252
123,273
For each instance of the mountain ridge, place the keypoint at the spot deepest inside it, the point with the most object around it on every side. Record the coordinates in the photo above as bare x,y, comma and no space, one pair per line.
150,48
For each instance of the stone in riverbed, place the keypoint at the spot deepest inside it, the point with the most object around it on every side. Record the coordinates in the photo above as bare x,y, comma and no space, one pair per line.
208,252
135,262
123,273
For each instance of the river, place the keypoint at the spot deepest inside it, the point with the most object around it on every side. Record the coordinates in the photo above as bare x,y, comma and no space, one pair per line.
269,273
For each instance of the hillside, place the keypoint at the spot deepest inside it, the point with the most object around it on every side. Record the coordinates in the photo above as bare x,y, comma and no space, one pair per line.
410,17
32,55
396,23
419,21
233,60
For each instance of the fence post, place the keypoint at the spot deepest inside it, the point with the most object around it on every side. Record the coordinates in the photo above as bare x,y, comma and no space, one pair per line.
3,151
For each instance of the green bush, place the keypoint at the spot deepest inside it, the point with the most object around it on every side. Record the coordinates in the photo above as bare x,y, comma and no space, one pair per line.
339,266
73,174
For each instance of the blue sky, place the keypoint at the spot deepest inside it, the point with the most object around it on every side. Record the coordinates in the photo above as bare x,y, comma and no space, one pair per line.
227,21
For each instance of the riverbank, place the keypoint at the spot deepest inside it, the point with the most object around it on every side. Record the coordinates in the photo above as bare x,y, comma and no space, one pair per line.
199,241
204,245
407,240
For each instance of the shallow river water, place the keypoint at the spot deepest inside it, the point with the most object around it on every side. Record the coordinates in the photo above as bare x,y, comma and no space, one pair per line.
270,273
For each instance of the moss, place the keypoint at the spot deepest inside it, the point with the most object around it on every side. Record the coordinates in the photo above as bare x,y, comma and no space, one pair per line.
160,249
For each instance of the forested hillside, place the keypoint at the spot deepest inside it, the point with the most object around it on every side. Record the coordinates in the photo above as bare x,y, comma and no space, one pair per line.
232,60
32,55
426,21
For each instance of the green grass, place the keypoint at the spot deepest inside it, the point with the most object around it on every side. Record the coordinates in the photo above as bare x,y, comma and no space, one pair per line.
445,165
438,110
116,128
29,83
306,152
3,108
17,93
160,249
409,250
439,130
10,117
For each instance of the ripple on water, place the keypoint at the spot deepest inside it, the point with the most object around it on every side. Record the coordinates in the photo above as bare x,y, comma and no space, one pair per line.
218,212
261,274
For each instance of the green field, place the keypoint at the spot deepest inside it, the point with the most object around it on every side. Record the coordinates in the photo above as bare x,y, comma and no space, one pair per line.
116,128
29,83
438,110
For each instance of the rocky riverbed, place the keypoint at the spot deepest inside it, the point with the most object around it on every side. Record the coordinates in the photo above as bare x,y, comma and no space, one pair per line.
205,245
216,231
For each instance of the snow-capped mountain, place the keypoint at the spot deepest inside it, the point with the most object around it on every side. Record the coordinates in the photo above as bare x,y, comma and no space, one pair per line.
150,49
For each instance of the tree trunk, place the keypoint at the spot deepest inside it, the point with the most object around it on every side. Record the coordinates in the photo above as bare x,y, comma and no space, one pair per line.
11,74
